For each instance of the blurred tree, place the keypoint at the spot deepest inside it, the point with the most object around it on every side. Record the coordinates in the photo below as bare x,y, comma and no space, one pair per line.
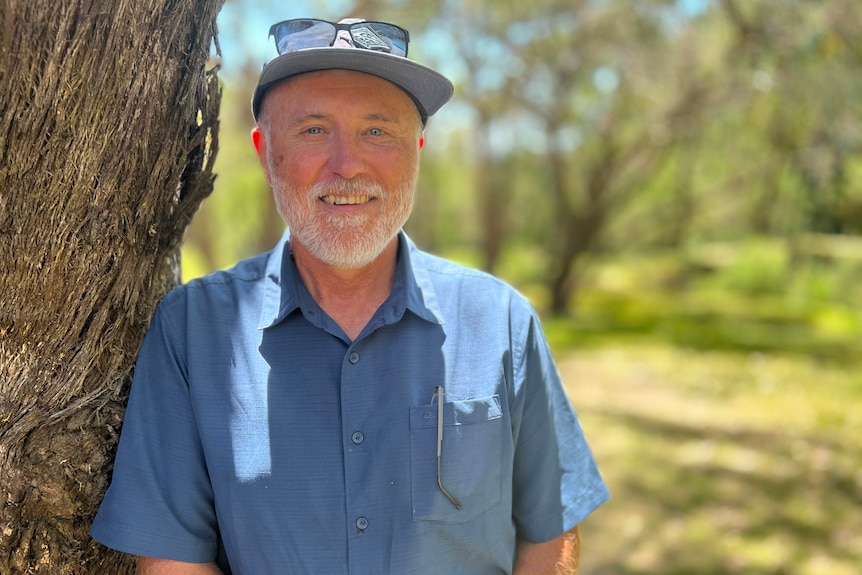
599,90
804,58
581,126
108,123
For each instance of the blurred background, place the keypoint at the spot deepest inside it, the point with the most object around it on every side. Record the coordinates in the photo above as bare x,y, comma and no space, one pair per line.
677,186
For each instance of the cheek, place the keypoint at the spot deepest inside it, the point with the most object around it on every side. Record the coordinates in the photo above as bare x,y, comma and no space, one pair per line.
405,170
277,162
395,163
294,165
284,170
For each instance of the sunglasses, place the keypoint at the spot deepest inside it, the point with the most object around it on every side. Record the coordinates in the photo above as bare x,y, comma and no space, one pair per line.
439,393
301,33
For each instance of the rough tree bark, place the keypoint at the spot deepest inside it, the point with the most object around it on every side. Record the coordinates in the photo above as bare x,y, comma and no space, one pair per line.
108,120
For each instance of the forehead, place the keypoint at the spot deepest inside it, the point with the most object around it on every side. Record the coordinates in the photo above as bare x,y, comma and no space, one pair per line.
336,90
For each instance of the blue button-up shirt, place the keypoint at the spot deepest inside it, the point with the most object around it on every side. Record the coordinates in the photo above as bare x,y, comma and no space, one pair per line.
259,435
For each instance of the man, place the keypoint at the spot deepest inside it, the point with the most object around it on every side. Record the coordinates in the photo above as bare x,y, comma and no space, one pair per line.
347,403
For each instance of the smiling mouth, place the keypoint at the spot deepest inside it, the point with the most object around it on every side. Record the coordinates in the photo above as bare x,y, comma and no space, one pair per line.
346,200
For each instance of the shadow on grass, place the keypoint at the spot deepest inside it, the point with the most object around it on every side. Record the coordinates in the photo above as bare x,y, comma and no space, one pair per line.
709,500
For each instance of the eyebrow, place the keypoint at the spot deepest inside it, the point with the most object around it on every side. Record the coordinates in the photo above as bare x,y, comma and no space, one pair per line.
306,118
381,118
375,116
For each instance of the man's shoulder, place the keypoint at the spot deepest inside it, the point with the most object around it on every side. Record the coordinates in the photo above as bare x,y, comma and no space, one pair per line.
447,274
445,267
245,276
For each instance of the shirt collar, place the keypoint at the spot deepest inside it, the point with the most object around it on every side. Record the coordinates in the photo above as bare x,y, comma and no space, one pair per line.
412,289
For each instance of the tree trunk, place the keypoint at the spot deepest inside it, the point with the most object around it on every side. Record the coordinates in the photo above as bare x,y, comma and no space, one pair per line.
108,122
576,229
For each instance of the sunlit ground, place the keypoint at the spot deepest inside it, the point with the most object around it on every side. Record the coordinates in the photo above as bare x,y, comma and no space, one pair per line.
720,462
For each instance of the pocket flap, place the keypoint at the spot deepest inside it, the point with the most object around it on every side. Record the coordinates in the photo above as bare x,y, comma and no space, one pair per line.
461,412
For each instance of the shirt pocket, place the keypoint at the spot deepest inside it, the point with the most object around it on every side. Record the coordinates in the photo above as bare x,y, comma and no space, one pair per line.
471,462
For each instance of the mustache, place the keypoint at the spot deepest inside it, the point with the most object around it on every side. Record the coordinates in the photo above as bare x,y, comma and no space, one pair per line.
343,187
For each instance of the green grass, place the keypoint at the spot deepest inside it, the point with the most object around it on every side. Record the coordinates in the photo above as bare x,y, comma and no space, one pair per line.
720,462
707,321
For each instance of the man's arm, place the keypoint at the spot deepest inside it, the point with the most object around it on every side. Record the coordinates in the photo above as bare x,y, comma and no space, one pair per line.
153,566
555,557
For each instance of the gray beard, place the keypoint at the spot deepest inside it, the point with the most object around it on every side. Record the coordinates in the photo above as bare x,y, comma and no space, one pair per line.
346,241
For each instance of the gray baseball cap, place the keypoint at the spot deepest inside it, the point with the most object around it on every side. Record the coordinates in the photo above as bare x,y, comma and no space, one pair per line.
356,45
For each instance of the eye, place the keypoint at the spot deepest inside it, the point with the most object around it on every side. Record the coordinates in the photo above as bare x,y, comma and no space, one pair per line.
376,132
314,130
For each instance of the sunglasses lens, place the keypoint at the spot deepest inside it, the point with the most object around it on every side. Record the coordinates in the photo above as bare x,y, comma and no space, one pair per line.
380,36
295,35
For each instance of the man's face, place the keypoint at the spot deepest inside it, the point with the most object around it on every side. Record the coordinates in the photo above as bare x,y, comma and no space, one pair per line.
341,152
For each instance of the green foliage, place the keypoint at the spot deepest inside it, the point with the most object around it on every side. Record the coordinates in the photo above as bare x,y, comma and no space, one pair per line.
580,126
756,267
746,297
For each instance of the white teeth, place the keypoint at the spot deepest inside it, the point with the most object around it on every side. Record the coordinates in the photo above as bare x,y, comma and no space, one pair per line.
342,200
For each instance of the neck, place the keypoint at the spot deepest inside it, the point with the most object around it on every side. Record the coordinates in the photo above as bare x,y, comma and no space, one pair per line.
349,296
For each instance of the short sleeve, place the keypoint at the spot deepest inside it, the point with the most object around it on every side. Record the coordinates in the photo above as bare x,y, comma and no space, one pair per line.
556,482
160,501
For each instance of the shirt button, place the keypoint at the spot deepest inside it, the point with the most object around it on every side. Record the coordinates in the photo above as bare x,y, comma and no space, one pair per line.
357,437
353,358
362,523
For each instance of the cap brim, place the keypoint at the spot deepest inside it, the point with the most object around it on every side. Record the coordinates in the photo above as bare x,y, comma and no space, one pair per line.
429,89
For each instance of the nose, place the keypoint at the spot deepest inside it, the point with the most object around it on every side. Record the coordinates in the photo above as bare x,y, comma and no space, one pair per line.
346,157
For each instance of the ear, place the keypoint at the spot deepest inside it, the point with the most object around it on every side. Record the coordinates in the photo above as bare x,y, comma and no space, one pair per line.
259,142
421,142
